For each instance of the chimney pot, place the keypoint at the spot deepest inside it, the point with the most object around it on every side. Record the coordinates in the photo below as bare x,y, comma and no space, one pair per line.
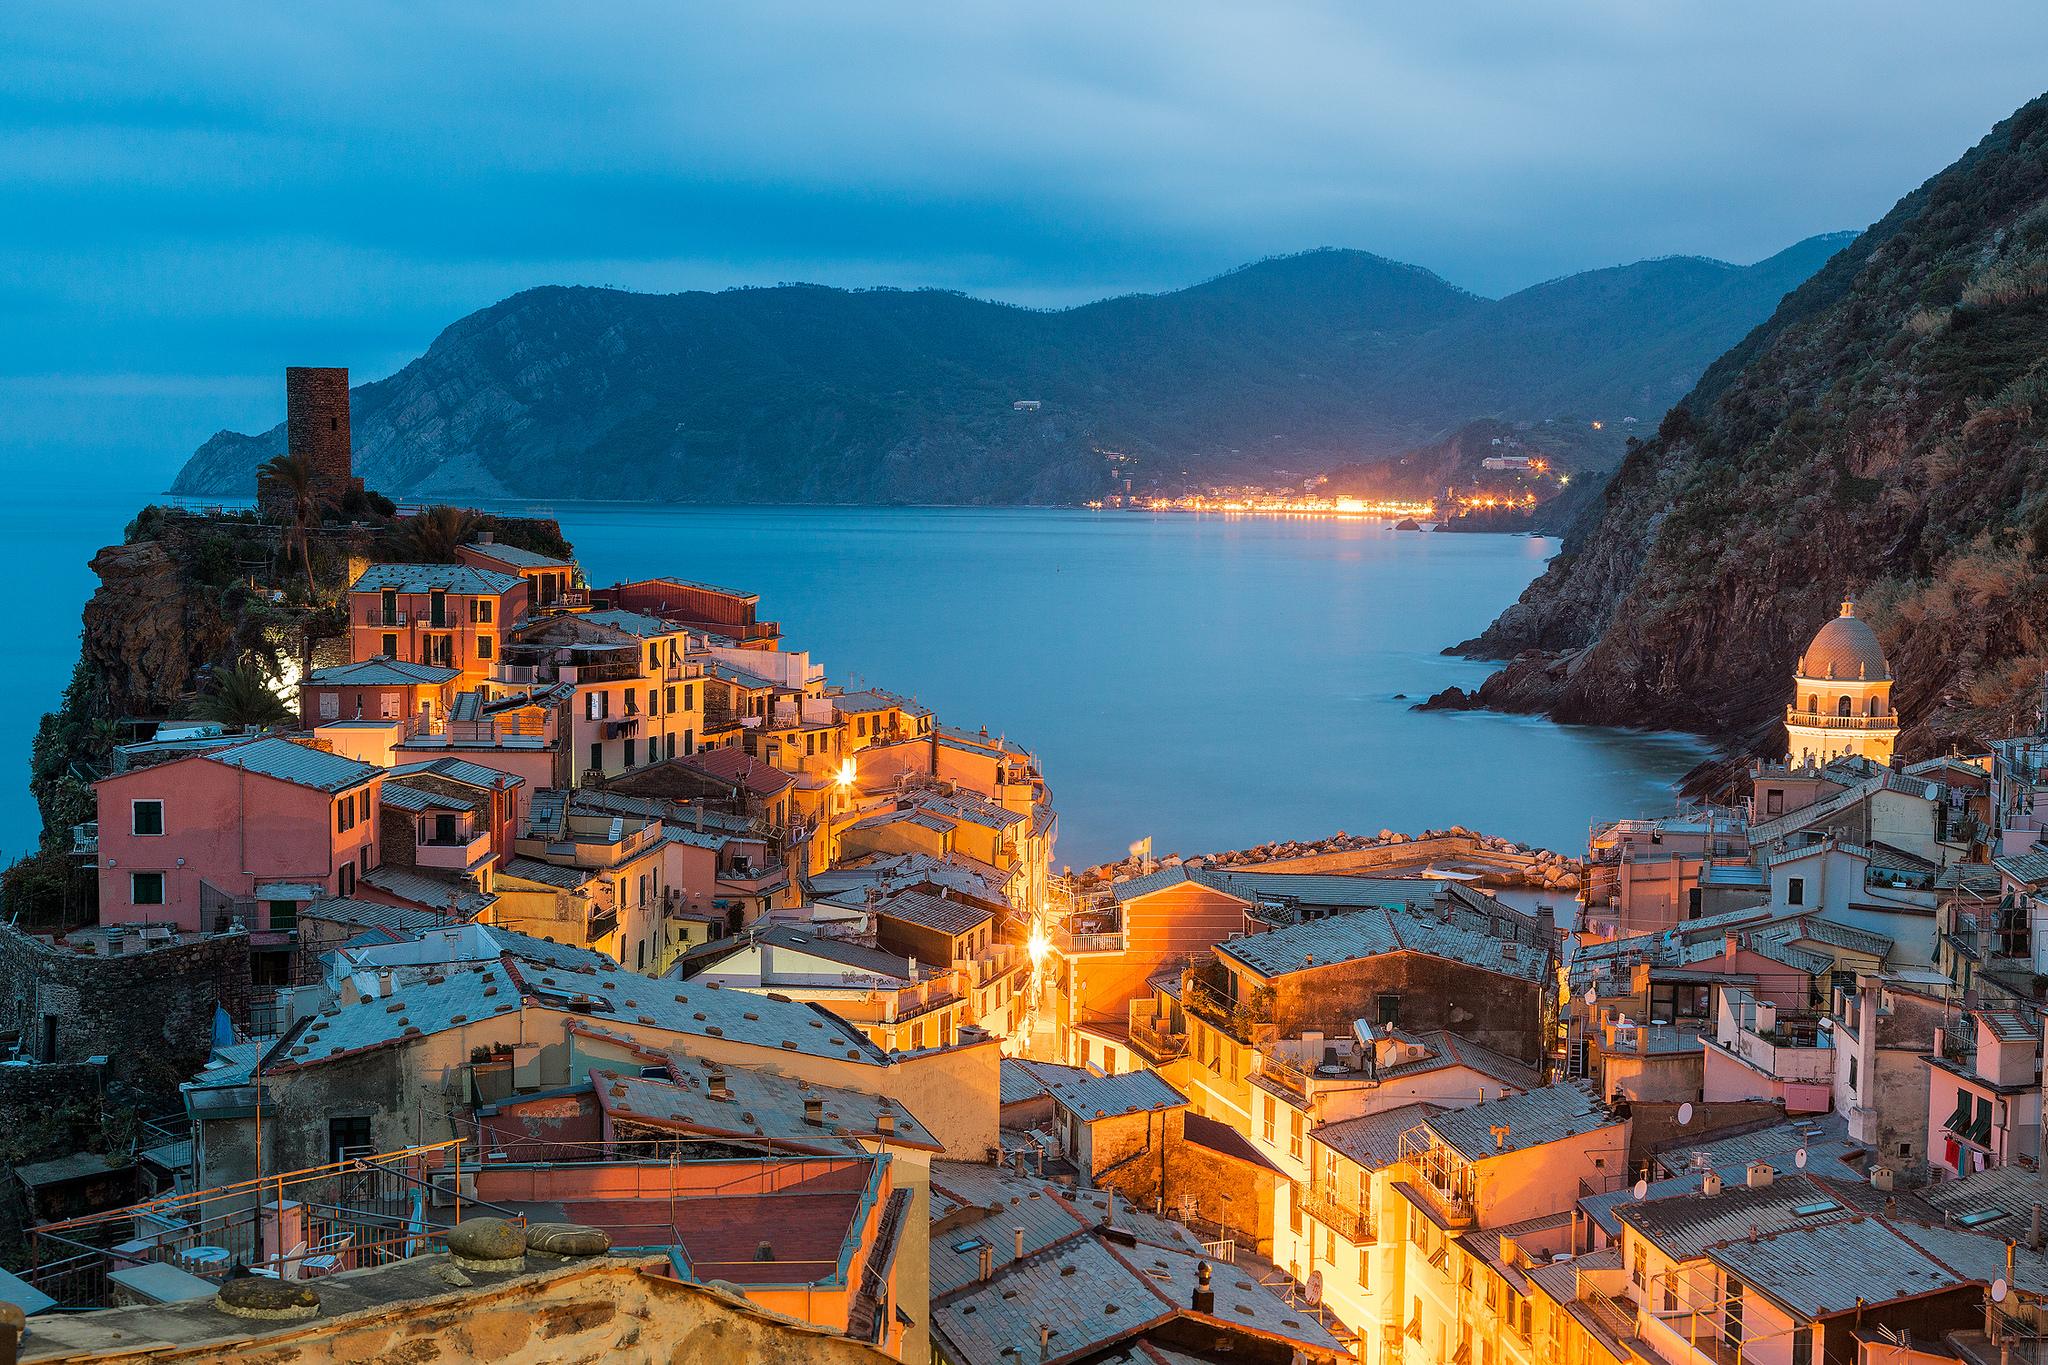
1710,1183
988,1260
1205,1297
1018,1233
1759,1174
814,1111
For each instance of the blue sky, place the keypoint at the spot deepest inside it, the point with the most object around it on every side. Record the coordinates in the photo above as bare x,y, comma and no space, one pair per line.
192,197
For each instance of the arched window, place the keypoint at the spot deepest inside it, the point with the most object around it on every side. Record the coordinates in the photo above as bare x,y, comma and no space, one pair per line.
1876,707
1812,704
1844,708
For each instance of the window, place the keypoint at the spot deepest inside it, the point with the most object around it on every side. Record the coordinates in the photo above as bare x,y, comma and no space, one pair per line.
1774,801
147,817
1389,1009
437,607
641,956
689,696
1364,1268
629,753
670,746
347,879
284,914
1271,1110
145,888
347,1136
1843,707
671,699
597,758
483,609
654,656
1852,1071
483,646
390,646
345,814
1795,891
1294,1134
653,702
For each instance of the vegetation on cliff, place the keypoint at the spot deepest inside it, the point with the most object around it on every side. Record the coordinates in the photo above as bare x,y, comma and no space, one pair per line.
199,615
1883,435
806,394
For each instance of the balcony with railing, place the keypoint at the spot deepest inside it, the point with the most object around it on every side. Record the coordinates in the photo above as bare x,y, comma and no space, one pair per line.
1153,1033
457,850
1829,720
85,840
1348,1218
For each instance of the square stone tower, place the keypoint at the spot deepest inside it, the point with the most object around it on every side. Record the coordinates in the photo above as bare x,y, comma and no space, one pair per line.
316,424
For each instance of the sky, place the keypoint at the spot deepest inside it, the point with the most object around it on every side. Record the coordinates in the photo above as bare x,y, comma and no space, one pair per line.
194,196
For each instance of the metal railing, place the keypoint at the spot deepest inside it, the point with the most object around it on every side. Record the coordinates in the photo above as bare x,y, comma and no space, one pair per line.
1828,720
1351,1221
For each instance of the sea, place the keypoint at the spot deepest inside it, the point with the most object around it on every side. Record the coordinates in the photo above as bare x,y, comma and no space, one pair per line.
1203,681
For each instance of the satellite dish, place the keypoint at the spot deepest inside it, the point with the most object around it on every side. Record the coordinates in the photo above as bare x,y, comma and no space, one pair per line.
1799,1158
1592,995
1642,1189
1684,1114
1998,1288
1313,1291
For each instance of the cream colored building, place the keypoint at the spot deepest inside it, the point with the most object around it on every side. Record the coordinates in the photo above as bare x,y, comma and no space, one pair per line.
1842,696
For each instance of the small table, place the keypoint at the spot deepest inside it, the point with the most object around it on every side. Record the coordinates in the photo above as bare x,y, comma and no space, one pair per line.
207,1260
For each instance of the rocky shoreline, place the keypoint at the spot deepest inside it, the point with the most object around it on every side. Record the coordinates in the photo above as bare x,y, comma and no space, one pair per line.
1497,861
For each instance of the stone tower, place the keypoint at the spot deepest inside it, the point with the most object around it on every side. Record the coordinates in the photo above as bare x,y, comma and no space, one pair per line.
1842,696
316,425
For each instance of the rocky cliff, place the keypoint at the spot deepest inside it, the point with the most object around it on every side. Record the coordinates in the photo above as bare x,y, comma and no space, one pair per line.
1882,435
806,394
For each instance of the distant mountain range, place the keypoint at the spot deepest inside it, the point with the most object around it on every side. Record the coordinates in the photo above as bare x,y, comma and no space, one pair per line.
802,393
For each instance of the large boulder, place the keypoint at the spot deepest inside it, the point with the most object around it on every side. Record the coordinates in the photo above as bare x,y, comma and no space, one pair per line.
266,1300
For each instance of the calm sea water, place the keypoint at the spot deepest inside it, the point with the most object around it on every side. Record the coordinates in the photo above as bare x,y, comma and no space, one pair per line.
1209,682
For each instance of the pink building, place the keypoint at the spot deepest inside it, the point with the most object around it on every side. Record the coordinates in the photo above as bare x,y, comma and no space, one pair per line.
251,832
376,689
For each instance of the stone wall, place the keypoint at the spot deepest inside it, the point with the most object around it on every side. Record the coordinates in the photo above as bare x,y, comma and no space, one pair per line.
149,1012
1504,1013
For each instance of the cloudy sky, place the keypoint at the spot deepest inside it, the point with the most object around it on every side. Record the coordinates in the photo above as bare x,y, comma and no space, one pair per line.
196,195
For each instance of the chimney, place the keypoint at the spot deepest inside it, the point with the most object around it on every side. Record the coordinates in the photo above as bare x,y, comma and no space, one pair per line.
1731,943
719,1089
1759,1174
885,1122
486,537
988,1260
383,982
2034,1230
1205,1297
1018,1233
1882,1178
814,1111
1710,1183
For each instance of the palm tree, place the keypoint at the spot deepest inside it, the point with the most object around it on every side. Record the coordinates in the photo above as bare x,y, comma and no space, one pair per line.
433,534
240,699
289,483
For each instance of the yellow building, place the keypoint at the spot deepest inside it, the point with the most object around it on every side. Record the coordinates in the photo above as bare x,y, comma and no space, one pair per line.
1842,696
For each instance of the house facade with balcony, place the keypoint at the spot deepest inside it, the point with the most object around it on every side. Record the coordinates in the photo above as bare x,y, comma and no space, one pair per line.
441,615
1758,1051
1984,1092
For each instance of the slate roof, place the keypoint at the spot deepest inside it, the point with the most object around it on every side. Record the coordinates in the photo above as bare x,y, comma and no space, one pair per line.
975,1204
1531,1119
2029,869
376,915
934,912
734,764
1817,1272
1093,1293
1817,1133
637,623
1370,933
380,671
761,1104
1133,1092
856,957
457,578
1374,1141
466,995
432,892
416,796
1684,1225
461,770
1023,1079
299,764
548,874
516,556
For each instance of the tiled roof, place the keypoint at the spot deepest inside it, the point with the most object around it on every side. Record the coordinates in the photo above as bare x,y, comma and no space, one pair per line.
515,556
856,703
2011,1025
1816,1272
1684,1224
1133,1092
1527,1120
435,893
2013,1189
2029,869
975,1205
933,912
417,796
759,1104
375,915
970,808
1374,1141
613,994
1370,933
1131,888
1816,1133
1023,1079
457,578
734,764
299,764
854,957
547,874
1092,1293
909,869
634,623
379,671
461,770
466,995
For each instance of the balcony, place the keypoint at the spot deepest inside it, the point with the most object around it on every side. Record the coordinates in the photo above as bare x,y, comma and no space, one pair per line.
601,923
1070,944
459,853
85,840
1348,1220
1828,720
1153,1034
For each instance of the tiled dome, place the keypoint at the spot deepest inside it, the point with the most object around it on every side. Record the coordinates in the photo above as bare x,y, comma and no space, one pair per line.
1846,648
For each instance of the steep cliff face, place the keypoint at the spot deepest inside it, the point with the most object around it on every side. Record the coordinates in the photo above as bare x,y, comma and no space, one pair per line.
1883,436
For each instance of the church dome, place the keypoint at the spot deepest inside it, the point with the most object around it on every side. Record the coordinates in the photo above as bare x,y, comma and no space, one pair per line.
1845,648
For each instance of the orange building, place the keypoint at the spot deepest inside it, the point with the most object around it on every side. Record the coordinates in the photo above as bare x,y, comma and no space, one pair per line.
445,615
